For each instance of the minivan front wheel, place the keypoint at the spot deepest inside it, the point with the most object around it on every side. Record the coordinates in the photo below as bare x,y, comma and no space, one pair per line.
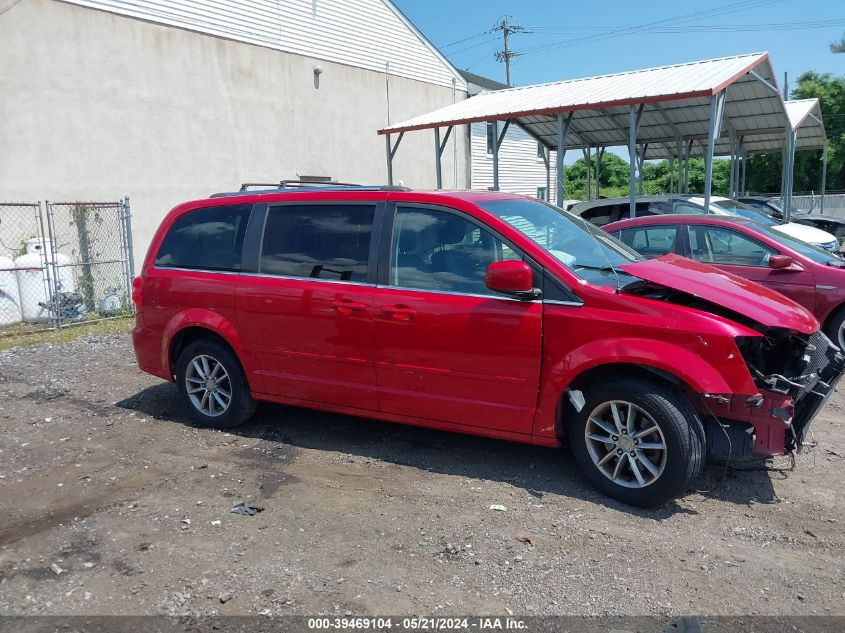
213,385
638,441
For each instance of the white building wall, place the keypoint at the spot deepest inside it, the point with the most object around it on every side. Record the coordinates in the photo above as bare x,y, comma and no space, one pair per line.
98,105
521,170
362,33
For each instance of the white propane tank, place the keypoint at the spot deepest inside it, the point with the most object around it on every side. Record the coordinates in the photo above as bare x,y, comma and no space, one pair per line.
34,279
110,304
10,298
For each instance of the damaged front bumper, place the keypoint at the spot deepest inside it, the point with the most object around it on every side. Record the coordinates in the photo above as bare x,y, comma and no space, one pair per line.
796,376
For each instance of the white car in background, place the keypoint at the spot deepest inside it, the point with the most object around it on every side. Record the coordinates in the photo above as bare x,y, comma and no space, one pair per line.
727,206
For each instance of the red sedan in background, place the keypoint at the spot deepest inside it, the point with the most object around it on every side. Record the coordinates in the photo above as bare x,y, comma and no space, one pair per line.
808,275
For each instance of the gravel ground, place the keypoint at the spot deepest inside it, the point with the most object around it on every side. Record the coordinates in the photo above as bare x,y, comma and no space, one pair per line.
111,502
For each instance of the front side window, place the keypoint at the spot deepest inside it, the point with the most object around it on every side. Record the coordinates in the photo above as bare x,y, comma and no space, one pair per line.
651,241
206,239
330,241
716,245
444,252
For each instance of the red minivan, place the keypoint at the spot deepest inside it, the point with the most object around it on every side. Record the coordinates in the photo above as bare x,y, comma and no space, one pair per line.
478,312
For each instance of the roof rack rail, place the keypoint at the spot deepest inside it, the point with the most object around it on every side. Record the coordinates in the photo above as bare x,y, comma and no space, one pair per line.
287,184
292,186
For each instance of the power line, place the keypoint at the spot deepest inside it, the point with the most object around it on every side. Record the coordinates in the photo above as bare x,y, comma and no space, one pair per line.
722,10
777,26
467,39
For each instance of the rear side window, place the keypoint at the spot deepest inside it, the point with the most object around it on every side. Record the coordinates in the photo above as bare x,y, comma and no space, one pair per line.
329,241
206,239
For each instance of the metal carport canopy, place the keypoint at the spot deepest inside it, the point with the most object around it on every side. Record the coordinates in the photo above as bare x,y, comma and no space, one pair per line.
805,119
676,98
655,111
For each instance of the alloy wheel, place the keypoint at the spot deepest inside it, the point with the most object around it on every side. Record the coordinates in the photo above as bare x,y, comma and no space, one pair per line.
208,386
625,444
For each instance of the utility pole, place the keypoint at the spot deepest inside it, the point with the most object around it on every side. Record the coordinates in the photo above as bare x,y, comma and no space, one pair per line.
506,53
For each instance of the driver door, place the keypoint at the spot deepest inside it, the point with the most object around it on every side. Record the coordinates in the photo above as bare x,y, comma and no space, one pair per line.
446,347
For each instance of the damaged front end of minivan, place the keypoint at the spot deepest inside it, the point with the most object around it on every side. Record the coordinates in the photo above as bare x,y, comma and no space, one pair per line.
802,370
792,363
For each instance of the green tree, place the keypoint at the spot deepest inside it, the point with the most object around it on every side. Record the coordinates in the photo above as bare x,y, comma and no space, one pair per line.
764,170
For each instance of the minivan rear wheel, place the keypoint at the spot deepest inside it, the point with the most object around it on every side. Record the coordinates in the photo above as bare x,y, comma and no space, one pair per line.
638,441
213,385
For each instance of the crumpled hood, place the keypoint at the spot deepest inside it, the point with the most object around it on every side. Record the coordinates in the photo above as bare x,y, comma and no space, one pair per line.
735,293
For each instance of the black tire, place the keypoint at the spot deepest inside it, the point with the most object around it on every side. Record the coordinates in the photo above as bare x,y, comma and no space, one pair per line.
682,459
241,406
833,328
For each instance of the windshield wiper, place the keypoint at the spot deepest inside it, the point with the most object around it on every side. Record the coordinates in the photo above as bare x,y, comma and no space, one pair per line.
594,267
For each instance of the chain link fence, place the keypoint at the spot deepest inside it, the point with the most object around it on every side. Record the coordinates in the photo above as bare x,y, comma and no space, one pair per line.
834,203
63,263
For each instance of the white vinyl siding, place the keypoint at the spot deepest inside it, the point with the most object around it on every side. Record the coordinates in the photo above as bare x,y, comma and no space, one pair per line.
363,33
520,169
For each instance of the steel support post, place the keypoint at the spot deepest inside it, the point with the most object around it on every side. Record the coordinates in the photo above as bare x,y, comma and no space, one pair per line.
641,166
391,153
732,158
562,129
588,152
635,113
497,144
792,137
686,164
438,153
714,127
671,174
130,252
495,155
824,177
389,159
597,174
438,166
547,160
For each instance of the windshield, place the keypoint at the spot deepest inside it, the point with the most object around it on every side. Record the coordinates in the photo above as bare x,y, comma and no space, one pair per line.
743,210
585,249
818,255
777,202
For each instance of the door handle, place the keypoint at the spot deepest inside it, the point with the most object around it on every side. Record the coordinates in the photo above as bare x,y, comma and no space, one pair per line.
348,307
399,312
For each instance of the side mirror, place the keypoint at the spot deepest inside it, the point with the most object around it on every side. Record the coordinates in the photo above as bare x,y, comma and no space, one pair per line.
780,262
512,277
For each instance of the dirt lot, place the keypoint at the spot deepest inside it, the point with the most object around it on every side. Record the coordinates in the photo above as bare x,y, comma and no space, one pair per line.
111,502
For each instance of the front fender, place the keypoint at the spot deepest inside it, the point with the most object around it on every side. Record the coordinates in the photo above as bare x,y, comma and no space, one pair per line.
697,368
214,322
687,365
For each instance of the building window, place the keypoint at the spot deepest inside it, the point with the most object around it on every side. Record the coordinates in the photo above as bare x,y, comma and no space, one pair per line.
541,151
541,193
491,138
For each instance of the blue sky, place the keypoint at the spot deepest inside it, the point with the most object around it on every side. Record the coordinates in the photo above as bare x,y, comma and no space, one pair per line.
555,23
